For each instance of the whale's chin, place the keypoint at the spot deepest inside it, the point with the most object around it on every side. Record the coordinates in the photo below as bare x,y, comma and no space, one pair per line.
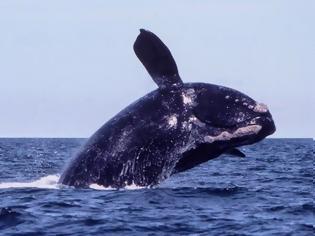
242,132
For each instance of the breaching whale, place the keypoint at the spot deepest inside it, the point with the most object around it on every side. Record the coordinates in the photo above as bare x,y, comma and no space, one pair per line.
169,130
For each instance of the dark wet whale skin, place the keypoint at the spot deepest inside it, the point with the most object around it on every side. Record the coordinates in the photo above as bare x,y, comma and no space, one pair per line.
164,133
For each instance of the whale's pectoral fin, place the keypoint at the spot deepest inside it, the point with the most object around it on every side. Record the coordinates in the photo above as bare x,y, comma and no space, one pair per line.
202,153
196,156
157,59
235,152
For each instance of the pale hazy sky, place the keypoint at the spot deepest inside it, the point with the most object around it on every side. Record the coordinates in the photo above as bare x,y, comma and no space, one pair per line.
66,67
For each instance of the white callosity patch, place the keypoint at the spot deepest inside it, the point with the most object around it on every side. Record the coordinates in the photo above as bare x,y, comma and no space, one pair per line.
240,132
189,97
248,130
261,108
172,121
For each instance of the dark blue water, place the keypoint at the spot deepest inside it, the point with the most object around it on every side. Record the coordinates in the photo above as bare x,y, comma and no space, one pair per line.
270,192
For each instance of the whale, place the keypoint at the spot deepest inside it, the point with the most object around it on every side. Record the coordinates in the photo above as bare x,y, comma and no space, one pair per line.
172,129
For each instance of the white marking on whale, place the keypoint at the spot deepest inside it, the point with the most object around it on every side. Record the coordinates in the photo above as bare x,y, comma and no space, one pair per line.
240,132
189,97
172,121
261,108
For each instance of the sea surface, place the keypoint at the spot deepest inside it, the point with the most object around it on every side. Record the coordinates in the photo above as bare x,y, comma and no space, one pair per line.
269,192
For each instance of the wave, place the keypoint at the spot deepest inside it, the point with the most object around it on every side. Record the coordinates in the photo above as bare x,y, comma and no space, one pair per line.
51,182
47,182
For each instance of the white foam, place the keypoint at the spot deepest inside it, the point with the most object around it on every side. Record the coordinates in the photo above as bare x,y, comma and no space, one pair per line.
51,182
127,187
100,187
134,187
47,182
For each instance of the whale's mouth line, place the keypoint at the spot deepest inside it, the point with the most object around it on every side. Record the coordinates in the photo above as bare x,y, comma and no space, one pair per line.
235,127
247,132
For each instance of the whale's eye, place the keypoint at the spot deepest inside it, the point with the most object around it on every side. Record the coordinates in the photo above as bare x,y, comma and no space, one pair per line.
223,109
215,115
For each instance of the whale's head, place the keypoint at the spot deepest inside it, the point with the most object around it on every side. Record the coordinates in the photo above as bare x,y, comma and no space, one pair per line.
221,116
229,116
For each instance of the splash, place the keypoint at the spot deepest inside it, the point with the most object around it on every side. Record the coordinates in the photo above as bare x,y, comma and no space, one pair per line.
100,187
51,182
47,182
127,187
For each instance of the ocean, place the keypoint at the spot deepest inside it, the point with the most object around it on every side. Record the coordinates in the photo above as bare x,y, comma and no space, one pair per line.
269,192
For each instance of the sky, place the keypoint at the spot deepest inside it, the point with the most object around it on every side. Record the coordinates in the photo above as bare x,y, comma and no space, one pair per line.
66,67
